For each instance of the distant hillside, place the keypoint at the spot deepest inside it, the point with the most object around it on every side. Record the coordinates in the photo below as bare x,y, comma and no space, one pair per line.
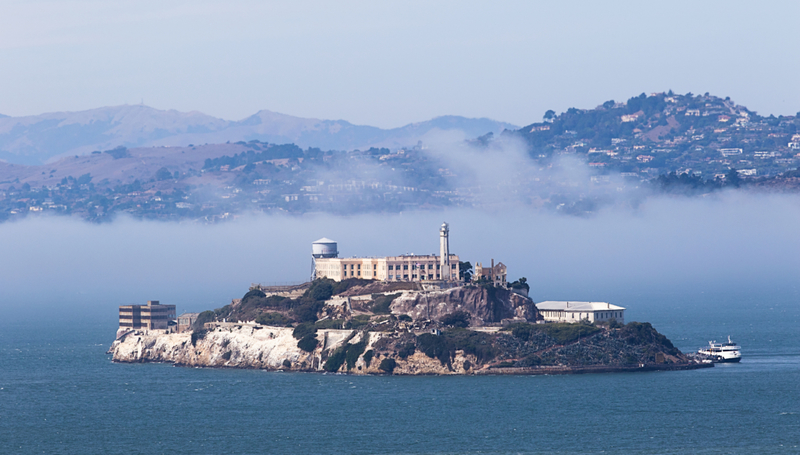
700,135
41,138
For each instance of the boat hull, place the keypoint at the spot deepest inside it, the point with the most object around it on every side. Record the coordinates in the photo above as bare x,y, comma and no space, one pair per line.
733,360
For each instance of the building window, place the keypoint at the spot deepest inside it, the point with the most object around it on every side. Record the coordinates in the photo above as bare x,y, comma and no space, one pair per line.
405,277
405,266
391,267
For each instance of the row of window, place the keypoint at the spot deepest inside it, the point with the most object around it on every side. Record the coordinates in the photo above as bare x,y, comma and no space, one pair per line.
374,273
604,315
413,277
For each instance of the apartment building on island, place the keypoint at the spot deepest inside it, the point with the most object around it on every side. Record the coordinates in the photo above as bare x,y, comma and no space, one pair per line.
150,316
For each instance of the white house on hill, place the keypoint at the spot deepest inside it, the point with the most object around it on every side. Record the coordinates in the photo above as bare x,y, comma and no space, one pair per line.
553,311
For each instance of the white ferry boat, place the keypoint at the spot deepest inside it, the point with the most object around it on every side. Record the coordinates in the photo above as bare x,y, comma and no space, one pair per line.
722,352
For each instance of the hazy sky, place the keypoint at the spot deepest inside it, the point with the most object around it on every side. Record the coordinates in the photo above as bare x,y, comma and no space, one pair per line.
391,63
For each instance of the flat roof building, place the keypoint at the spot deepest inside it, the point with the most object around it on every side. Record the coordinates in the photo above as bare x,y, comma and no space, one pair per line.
558,311
185,321
150,316
391,268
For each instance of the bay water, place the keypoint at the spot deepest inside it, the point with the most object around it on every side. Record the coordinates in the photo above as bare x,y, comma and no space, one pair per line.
60,393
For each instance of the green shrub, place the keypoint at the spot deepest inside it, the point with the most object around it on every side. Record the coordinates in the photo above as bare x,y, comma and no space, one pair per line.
222,313
522,330
273,319
433,346
227,355
308,343
321,289
336,359
303,330
287,363
406,349
359,322
202,318
354,351
368,356
388,365
642,333
456,319
330,324
531,361
382,303
257,293
306,310
341,286
479,344
404,317
561,333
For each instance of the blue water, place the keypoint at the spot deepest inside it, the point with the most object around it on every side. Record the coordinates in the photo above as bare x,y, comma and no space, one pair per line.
60,393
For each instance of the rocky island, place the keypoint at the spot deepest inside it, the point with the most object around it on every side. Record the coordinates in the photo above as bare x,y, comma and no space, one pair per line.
360,326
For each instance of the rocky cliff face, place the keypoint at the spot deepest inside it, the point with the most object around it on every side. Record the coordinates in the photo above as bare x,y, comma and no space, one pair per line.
485,304
270,348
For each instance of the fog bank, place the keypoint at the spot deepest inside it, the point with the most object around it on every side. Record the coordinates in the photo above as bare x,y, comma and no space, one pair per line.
730,240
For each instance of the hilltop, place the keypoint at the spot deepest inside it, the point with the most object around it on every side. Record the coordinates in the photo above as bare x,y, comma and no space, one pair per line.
663,142
648,136
39,139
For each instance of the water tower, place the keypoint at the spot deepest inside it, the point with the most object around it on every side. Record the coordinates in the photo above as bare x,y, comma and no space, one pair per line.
322,248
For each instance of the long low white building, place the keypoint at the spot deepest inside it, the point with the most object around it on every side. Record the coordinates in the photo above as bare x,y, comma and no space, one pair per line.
557,311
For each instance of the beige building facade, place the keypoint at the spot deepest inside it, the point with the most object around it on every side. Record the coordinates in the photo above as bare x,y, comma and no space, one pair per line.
497,274
185,321
391,268
150,316
560,311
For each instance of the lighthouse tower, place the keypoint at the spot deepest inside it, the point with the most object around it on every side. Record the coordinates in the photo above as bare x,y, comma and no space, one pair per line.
444,252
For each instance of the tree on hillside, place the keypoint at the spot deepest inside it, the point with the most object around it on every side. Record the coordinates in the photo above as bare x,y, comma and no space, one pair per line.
549,115
465,271
163,174
732,178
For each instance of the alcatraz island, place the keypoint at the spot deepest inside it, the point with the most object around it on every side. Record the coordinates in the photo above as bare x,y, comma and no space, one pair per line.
407,315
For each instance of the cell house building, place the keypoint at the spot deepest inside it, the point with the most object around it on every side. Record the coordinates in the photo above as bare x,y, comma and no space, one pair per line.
409,267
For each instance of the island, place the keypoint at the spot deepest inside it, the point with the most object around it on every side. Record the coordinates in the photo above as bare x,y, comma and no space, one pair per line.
408,314
368,327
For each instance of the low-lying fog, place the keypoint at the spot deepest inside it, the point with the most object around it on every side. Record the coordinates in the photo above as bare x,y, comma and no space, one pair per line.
729,241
